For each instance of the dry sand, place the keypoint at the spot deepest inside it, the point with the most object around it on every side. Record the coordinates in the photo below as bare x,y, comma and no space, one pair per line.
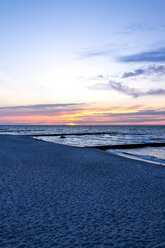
61,196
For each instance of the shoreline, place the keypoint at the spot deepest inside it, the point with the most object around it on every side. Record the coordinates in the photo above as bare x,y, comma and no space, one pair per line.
113,151
104,148
63,196
136,157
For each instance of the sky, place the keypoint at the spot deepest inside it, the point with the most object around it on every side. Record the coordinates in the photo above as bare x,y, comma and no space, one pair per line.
74,62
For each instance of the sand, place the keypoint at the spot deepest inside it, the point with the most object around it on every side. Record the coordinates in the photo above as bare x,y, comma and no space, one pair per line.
60,196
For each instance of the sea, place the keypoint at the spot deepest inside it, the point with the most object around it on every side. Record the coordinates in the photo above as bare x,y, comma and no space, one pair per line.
106,135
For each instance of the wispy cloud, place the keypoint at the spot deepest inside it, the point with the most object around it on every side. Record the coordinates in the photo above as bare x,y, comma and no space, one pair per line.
126,121
43,106
108,50
153,56
136,27
146,56
97,77
160,70
147,112
120,87
95,53
40,109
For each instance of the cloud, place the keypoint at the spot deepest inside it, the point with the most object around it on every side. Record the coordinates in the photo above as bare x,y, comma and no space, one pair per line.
146,71
133,74
139,27
60,114
95,53
136,27
104,51
97,77
148,112
140,116
43,106
154,92
120,87
40,109
148,56
131,121
146,116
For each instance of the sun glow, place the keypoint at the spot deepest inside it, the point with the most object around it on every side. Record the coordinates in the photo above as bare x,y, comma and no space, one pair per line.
70,124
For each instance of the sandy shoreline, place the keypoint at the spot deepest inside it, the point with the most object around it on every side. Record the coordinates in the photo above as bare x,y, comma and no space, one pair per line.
60,196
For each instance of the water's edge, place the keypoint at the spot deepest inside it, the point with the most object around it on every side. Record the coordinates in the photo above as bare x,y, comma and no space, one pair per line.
118,153
135,157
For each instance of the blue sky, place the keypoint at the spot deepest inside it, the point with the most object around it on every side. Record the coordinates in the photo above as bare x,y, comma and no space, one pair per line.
104,55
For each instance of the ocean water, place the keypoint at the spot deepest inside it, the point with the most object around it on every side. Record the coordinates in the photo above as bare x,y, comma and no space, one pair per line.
100,135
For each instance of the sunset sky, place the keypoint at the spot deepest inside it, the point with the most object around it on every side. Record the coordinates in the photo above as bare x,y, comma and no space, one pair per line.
82,62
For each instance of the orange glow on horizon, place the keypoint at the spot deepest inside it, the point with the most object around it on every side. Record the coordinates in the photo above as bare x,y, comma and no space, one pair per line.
92,115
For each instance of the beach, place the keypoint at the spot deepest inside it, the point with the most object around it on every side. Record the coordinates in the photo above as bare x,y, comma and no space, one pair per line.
55,195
